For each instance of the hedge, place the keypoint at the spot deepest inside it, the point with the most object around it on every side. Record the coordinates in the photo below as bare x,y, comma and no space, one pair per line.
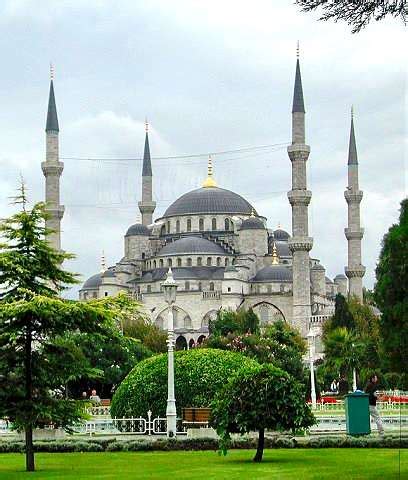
143,444
199,374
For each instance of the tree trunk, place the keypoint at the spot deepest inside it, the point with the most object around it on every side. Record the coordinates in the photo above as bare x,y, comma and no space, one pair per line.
30,467
260,448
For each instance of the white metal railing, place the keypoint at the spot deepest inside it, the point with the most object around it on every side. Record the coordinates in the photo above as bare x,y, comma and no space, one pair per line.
319,319
212,294
339,406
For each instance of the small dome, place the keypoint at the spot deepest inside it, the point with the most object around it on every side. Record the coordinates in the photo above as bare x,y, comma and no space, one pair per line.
252,223
209,200
109,273
138,229
280,234
93,282
283,249
193,245
328,280
340,276
273,273
317,266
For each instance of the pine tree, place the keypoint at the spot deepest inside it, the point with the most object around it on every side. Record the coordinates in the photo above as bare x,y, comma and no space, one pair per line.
36,359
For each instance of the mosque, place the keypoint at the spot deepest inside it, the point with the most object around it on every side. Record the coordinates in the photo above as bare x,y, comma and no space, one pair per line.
220,249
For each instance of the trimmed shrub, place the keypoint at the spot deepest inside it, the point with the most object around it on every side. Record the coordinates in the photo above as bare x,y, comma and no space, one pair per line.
199,375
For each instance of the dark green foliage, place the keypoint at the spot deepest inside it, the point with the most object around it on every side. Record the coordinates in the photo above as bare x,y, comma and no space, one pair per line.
359,13
259,397
391,293
239,322
342,316
199,374
278,343
152,337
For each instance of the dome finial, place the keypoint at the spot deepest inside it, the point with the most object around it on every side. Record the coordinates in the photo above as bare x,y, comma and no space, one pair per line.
279,225
252,212
51,71
297,49
275,256
352,112
146,125
209,181
103,262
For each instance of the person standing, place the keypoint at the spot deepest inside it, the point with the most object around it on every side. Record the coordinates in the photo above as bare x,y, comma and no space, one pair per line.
371,388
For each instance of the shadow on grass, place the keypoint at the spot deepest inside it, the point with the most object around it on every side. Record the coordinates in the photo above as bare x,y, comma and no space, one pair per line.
270,459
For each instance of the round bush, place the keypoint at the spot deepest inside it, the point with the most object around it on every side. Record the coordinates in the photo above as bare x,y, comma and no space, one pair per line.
199,374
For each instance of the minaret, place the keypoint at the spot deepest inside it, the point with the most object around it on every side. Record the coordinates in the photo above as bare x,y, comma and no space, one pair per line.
299,197
354,233
147,206
52,169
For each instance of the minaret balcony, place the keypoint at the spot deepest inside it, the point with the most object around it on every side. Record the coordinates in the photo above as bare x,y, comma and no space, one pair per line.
355,271
55,211
298,152
303,244
52,168
353,196
354,233
147,207
299,197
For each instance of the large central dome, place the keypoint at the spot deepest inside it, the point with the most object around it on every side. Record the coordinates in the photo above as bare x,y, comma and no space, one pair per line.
209,200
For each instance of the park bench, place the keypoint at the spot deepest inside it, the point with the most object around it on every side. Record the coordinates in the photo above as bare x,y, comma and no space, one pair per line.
194,417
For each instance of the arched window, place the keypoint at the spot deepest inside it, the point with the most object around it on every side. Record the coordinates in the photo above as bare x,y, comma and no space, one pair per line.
169,262
199,261
178,226
187,285
200,286
163,230
161,262
218,261
201,224
154,264
188,224
149,289
264,313
187,321
211,286
168,226
209,261
214,224
179,262
269,288
226,262
189,262
227,224
143,255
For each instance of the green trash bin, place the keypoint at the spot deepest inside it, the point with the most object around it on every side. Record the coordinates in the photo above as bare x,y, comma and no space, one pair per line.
357,413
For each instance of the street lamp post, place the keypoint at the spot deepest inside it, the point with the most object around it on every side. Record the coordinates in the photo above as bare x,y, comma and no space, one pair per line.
170,289
311,337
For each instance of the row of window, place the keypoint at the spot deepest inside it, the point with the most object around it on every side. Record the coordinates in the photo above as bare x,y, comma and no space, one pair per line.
167,227
189,262
187,286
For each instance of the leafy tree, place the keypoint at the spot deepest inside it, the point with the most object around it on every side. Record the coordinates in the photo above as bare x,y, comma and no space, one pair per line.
391,293
342,316
36,361
228,321
259,397
357,13
151,336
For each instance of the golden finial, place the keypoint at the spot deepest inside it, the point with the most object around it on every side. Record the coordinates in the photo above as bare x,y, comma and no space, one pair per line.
146,125
51,71
103,262
279,226
252,212
209,181
275,256
297,49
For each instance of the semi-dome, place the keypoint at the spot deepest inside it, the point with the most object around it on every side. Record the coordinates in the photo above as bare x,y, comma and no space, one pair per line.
93,282
209,200
317,266
280,234
273,273
138,229
252,223
194,245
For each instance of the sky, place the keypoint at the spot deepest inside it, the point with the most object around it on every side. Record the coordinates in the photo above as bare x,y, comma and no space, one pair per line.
210,76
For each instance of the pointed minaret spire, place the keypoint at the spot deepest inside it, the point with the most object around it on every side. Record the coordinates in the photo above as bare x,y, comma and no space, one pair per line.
352,156
147,205
354,233
52,169
52,117
298,102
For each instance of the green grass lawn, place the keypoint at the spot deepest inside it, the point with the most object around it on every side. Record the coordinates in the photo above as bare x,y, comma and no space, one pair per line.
278,464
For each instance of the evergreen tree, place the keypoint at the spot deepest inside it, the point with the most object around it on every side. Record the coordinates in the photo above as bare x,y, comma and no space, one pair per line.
36,358
391,293
342,316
